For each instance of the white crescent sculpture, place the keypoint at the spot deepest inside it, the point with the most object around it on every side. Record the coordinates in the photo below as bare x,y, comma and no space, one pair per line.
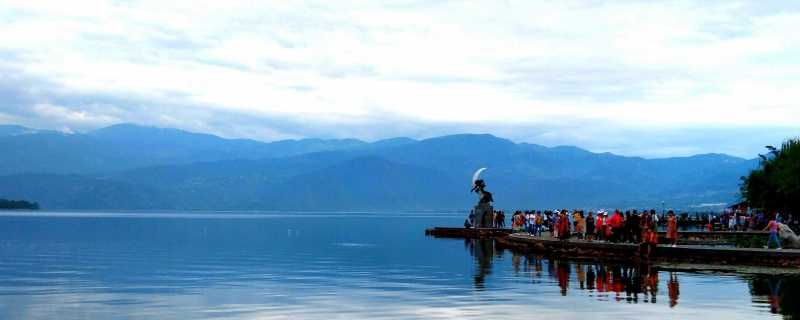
477,175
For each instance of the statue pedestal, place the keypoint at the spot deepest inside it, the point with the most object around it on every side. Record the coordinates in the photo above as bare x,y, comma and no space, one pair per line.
484,215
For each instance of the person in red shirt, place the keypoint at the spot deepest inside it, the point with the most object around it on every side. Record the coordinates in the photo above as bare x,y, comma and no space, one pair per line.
773,226
672,228
616,226
563,226
601,226
649,242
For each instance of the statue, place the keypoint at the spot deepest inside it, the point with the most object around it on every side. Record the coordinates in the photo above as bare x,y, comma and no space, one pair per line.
788,238
484,213
479,188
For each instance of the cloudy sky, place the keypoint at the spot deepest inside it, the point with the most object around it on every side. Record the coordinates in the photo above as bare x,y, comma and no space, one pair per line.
647,78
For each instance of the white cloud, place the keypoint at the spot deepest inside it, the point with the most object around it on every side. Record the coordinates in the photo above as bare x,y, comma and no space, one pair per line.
67,115
636,64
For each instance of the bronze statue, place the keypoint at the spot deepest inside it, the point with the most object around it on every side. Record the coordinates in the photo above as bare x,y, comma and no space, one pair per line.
479,188
484,213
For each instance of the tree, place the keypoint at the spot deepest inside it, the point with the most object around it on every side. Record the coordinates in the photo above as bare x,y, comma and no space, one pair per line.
775,184
18,204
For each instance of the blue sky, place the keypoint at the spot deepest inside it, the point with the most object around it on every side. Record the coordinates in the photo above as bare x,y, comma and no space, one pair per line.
640,78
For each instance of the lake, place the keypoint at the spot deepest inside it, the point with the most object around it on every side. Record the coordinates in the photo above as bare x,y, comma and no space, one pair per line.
334,265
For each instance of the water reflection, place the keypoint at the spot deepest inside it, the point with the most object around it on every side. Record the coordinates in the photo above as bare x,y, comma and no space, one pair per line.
352,267
483,252
780,293
629,283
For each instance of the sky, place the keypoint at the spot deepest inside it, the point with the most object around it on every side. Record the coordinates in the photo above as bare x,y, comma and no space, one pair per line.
644,78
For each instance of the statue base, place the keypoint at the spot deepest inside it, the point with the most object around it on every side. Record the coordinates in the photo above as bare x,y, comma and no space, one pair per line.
484,215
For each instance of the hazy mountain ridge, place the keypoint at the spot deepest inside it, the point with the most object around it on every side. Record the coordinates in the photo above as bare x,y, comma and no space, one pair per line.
126,146
133,167
15,130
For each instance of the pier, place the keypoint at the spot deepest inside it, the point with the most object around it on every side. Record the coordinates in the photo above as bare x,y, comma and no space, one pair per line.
700,247
468,233
697,254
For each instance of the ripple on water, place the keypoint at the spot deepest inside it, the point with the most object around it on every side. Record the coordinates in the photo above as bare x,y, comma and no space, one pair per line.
245,266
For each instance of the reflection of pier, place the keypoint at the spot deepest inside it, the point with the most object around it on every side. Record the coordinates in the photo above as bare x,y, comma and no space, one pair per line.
704,249
630,252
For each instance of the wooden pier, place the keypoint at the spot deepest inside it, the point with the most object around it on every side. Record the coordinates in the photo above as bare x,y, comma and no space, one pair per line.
696,253
468,233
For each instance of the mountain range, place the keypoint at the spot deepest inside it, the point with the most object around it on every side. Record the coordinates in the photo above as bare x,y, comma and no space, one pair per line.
126,166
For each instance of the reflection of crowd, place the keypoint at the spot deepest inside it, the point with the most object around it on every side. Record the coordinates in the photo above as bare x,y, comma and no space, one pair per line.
623,283
629,283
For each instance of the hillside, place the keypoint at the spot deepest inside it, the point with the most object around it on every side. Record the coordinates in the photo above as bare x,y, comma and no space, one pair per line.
127,146
131,167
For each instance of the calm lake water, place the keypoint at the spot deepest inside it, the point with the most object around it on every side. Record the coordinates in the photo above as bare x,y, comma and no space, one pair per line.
337,265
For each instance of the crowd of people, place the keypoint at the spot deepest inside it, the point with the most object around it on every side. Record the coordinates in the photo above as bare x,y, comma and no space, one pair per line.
633,226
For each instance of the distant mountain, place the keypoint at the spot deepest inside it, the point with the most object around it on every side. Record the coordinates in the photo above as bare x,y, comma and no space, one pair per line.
197,171
78,192
127,146
15,130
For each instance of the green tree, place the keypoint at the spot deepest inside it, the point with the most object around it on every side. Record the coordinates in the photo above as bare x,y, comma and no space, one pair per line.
17,205
775,184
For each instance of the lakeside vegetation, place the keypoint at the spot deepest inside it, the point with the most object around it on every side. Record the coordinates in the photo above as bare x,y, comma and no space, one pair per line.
775,185
18,205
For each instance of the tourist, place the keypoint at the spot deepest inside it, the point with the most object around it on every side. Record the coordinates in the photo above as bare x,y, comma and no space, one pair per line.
538,222
501,219
732,223
654,221
646,220
649,242
520,221
742,222
636,228
607,229
772,226
554,220
580,225
626,227
574,220
471,218
563,226
672,228
530,220
600,226
616,226
589,227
